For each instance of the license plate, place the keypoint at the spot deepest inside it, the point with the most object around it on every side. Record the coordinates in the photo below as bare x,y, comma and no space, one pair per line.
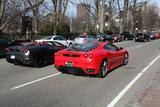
13,57
69,64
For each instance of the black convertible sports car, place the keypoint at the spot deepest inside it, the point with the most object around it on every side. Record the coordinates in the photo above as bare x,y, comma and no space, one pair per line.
36,54
142,37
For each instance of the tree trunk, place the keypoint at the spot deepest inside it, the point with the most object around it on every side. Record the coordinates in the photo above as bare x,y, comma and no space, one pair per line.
101,15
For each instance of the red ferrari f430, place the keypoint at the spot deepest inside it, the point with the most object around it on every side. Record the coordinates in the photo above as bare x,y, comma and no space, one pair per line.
92,58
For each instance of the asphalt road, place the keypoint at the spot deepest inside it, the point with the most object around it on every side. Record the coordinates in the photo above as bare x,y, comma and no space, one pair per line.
22,86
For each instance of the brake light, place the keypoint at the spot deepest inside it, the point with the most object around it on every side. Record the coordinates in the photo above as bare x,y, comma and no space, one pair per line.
57,53
85,55
88,56
25,51
7,49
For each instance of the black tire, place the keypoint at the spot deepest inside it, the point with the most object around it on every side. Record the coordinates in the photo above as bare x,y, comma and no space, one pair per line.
103,69
62,70
125,60
40,61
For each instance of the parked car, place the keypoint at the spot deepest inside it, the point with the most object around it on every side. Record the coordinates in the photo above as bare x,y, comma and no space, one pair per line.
142,37
56,38
84,38
117,37
152,36
37,54
104,38
157,35
127,36
92,58
4,43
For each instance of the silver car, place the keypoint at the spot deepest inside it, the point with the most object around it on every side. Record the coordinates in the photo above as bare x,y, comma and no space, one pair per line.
83,39
56,38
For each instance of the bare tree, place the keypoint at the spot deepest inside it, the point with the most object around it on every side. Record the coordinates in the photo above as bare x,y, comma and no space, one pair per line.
19,11
96,9
2,10
152,18
60,7
38,13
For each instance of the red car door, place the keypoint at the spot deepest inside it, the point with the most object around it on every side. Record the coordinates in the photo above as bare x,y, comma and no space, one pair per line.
114,55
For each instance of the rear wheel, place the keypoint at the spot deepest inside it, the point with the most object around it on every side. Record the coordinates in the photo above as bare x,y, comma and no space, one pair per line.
125,60
40,61
103,69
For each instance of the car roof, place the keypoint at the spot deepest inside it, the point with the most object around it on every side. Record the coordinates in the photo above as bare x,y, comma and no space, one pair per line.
52,36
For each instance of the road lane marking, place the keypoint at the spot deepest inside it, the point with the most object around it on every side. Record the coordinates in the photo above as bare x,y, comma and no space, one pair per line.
138,46
120,95
32,82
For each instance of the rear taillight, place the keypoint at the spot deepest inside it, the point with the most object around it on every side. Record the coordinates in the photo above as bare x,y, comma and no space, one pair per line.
25,51
57,53
7,49
88,55
85,55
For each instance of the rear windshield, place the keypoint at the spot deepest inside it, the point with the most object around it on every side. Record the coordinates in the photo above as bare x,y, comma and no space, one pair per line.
83,47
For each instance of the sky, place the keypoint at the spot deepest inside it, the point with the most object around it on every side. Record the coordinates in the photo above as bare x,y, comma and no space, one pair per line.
157,2
72,8
71,11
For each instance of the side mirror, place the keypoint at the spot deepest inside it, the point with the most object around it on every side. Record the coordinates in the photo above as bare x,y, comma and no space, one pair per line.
120,48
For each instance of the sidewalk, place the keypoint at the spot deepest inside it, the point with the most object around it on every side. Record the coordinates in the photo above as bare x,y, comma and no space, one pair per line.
149,94
150,97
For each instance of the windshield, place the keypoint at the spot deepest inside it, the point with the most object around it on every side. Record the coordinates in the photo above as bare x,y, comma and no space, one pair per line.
83,47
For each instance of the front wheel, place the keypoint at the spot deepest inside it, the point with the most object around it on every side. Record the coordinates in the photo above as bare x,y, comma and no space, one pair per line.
125,60
103,69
